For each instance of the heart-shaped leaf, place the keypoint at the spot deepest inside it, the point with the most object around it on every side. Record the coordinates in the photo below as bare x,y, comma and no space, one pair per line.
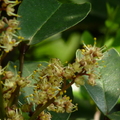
41,19
107,89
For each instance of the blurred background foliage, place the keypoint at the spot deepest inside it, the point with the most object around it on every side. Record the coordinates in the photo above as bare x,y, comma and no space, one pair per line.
103,22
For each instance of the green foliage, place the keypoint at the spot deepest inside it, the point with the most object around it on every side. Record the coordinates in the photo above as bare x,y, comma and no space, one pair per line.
41,23
115,116
60,116
40,19
56,47
106,91
87,37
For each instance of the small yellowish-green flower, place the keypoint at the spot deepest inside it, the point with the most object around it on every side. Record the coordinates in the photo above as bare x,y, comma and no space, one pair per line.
8,42
14,114
62,104
79,80
1,70
2,24
10,8
44,116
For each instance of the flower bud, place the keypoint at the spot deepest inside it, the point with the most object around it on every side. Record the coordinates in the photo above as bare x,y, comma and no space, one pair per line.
9,74
77,67
79,81
2,24
11,113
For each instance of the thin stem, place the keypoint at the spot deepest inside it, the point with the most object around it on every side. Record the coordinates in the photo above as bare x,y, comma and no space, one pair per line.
2,57
2,110
23,48
40,109
106,118
97,115
15,95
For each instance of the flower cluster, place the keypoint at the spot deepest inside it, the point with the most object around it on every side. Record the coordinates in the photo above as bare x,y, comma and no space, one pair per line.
44,116
10,82
49,81
14,114
50,84
62,104
52,81
8,27
90,56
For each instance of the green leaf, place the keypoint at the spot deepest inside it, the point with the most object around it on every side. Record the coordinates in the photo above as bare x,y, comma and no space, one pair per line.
107,89
65,1
114,116
41,19
25,116
87,38
28,68
60,116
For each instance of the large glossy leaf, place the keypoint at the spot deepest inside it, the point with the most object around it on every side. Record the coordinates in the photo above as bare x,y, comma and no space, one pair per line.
107,89
41,19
